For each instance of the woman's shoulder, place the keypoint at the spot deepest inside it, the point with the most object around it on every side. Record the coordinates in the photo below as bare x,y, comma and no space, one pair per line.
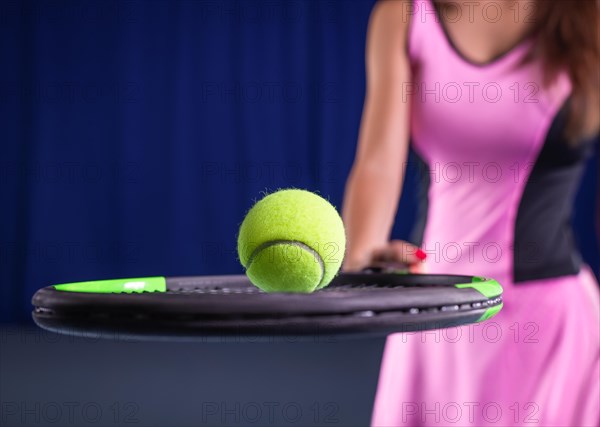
391,16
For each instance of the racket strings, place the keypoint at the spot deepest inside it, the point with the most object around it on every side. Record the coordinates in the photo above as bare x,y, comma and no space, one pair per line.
253,290
217,290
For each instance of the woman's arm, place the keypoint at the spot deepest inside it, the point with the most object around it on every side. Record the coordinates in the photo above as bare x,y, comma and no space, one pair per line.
375,182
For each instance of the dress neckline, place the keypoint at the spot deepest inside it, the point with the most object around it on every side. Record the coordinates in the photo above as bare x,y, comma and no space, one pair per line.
515,48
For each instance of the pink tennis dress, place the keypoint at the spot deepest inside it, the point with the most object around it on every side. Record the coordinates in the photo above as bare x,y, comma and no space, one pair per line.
500,181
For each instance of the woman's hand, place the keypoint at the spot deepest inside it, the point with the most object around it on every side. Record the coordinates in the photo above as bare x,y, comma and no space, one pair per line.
398,252
395,253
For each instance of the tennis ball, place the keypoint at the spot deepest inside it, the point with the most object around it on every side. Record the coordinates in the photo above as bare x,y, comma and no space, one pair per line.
291,241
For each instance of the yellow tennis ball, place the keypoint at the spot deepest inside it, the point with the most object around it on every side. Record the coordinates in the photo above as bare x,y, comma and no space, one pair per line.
291,241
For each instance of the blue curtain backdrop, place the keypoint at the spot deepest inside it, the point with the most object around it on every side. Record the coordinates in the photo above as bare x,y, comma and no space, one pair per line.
136,134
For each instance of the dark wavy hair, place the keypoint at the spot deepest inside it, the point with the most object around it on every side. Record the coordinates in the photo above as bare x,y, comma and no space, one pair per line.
568,38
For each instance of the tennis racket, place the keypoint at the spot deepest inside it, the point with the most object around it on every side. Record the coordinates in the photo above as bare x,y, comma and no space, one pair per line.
370,303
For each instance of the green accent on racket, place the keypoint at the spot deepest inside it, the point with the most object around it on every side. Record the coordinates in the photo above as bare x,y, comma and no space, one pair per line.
117,286
487,287
490,312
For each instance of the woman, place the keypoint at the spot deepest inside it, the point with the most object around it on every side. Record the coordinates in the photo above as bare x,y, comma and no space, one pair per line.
500,100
